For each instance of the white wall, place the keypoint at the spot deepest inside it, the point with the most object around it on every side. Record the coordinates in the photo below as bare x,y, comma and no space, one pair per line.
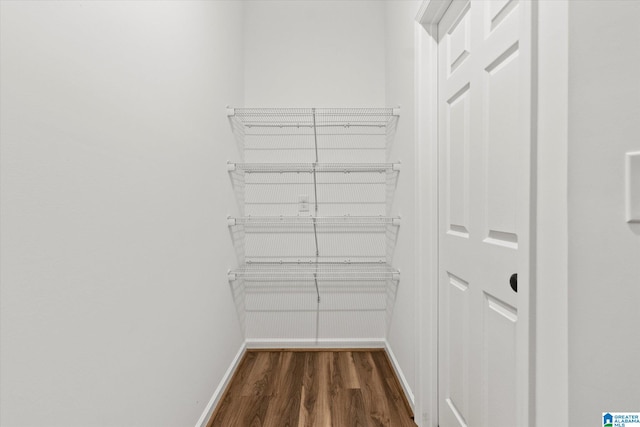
314,53
401,90
604,251
551,358
115,306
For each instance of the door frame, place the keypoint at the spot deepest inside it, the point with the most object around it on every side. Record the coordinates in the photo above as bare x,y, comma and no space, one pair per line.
547,378
427,228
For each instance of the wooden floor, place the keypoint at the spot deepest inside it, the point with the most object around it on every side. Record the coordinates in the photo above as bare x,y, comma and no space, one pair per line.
313,388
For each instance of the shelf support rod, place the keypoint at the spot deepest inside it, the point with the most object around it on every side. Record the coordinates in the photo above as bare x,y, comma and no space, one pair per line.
315,197
315,184
315,278
315,132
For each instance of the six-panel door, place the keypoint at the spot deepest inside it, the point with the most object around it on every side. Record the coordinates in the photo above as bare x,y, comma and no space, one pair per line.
482,185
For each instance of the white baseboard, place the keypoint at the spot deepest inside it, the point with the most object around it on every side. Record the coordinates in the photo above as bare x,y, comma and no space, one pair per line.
400,374
217,394
313,343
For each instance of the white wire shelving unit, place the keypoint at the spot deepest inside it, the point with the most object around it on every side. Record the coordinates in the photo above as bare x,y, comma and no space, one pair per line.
315,190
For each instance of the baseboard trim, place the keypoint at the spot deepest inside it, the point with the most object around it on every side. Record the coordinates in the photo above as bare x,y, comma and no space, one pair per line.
217,394
403,380
335,343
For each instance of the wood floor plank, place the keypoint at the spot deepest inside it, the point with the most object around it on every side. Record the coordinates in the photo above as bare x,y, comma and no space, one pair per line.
284,408
336,382
371,386
254,397
399,409
248,411
239,378
279,377
261,373
309,392
315,409
313,389
393,389
322,412
348,369
348,409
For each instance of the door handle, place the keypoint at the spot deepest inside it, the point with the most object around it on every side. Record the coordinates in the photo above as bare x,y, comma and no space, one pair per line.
513,281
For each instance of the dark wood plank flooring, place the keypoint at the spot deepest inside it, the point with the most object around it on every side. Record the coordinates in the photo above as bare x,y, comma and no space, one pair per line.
355,388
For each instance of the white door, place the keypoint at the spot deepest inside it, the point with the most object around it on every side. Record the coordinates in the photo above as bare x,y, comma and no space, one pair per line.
484,99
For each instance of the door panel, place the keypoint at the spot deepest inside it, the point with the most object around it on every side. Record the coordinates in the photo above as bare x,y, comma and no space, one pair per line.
498,11
458,348
501,124
483,96
458,41
499,363
458,108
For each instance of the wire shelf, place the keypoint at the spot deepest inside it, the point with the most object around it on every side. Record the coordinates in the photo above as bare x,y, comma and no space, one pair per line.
307,134
329,189
305,239
313,117
311,271
312,167
347,220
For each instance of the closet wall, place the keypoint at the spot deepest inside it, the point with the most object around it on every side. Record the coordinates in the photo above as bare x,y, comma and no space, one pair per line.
319,53
316,54
115,310
346,54
400,89
115,304
603,289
